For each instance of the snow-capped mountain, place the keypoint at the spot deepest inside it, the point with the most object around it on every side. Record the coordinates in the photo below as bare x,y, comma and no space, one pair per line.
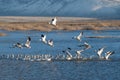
81,8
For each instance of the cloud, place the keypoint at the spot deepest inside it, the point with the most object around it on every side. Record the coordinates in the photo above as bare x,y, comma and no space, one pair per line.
109,3
105,3
96,8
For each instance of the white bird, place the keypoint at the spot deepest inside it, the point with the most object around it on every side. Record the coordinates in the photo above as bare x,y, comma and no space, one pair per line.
85,45
69,55
48,57
27,44
99,52
78,37
12,56
60,56
78,54
107,54
43,39
19,45
53,21
27,58
50,43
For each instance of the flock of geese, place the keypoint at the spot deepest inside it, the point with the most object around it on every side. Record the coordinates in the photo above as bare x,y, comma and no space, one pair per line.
67,56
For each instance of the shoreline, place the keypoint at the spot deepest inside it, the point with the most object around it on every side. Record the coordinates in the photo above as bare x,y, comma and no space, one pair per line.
12,23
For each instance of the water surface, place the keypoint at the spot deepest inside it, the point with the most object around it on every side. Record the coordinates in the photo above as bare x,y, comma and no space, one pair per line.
60,70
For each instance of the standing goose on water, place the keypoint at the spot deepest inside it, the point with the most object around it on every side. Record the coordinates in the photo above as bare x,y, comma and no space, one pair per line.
78,54
107,54
27,44
43,38
78,37
53,22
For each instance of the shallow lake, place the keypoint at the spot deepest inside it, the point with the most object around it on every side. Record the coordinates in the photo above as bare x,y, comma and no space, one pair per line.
61,70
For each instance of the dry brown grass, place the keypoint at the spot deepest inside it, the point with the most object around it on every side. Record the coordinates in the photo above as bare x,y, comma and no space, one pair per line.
63,24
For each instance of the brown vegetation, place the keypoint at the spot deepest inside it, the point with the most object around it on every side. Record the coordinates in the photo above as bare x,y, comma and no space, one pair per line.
63,24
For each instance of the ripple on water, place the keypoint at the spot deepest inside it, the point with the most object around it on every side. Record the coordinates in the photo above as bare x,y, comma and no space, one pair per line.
59,70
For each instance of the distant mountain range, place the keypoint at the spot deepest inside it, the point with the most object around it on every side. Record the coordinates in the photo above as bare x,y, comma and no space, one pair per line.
107,9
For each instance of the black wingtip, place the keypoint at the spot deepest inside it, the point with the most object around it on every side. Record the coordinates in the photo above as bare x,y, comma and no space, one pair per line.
113,52
29,38
52,19
63,51
82,33
42,35
72,37
69,48
51,40
18,43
